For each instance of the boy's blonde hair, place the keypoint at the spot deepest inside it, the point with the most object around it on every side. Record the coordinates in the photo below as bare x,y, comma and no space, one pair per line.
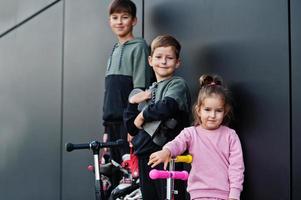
166,41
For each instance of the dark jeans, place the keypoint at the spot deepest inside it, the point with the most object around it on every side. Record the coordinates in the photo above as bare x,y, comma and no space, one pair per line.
115,131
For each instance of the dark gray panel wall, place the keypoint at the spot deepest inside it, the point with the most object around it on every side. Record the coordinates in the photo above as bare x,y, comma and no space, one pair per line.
296,96
13,12
88,44
30,90
247,43
244,41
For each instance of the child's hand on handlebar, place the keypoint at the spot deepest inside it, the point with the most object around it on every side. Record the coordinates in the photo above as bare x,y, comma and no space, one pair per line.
158,157
105,138
129,138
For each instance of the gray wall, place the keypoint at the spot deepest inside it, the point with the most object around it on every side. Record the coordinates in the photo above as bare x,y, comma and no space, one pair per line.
52,58
30,102
296,96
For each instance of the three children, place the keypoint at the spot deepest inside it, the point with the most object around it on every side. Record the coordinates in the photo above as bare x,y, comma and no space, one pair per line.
217,168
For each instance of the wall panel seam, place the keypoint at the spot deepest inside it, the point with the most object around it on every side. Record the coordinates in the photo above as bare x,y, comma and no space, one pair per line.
28,18
290,100
62,100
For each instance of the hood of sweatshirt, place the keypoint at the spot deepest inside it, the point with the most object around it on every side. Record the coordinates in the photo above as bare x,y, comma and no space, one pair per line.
116,62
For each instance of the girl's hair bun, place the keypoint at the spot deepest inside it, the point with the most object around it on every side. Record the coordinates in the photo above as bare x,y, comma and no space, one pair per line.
210,80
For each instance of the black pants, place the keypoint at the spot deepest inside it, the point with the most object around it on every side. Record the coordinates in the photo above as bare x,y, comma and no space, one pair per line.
156,189
115,131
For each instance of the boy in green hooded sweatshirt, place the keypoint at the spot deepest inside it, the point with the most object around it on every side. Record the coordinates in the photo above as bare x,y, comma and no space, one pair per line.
127,68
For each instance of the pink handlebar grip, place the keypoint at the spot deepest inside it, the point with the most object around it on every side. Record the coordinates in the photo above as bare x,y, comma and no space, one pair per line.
159,174
162,174
183,175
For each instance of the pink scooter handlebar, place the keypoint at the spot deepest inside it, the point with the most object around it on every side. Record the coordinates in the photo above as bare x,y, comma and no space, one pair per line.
162,174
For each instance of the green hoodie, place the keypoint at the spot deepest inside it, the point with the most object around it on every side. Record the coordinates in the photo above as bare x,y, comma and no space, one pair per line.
127,68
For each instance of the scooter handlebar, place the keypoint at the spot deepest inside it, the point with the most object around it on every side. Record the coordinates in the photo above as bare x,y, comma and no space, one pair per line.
184,159
70,146
93,144
162,174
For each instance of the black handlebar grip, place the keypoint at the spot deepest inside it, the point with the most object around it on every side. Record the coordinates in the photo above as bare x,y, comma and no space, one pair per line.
93,145
71,147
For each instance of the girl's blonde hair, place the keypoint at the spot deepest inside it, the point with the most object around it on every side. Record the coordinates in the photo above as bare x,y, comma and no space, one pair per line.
213,85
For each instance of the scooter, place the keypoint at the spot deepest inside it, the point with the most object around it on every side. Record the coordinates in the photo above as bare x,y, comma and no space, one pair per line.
95,147
170,175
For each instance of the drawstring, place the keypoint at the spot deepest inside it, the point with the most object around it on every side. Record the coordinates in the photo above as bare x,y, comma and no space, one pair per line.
121,55
120,58
153,89
114,47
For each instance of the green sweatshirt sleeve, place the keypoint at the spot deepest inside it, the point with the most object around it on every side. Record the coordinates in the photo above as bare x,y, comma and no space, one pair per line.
178,90
141,69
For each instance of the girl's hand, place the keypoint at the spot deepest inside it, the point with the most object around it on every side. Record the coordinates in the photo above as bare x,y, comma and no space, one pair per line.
139,120
140,97
158,157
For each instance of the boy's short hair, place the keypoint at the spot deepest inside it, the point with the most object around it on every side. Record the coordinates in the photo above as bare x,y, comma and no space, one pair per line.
127,6
166,41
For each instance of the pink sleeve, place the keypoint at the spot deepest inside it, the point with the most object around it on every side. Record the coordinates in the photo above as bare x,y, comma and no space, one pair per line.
179,144
236,167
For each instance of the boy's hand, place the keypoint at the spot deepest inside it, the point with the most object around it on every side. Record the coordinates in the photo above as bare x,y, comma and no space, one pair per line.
158,157
105,138
130,140
139,120
140,97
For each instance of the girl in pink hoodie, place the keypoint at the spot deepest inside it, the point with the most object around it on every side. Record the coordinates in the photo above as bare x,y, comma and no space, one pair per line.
217,170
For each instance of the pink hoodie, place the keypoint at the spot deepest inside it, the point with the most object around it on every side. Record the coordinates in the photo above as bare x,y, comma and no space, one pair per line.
217,169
